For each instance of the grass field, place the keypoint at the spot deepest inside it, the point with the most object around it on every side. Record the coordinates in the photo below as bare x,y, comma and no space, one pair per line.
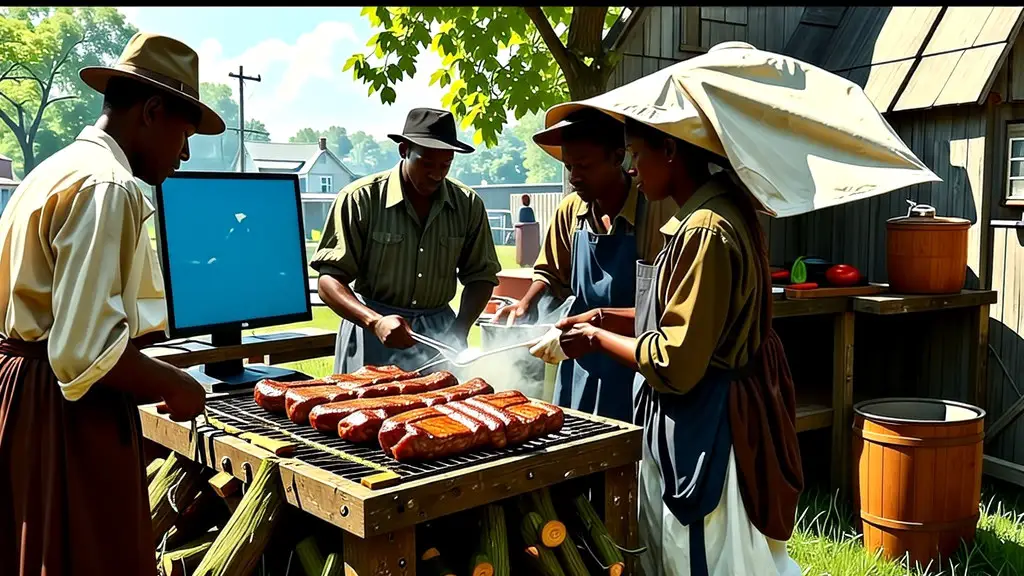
826,542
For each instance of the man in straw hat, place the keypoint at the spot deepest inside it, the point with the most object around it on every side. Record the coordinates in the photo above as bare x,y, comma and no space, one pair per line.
80,292
403,236
596,237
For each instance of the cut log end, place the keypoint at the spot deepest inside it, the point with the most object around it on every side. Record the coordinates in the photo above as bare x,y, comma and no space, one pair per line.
485,569
552,534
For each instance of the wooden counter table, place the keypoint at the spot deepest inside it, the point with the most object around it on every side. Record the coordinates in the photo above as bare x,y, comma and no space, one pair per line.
839,415
273,348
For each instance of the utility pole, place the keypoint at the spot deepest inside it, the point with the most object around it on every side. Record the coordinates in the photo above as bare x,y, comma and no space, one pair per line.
241,113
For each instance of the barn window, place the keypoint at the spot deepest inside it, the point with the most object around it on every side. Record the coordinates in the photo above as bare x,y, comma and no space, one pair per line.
326,184
1015,168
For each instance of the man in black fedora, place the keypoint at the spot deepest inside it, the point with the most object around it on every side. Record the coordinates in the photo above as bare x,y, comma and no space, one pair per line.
80,293
401,238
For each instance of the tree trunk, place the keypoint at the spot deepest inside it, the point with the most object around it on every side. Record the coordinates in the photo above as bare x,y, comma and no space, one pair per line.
27,153
585,82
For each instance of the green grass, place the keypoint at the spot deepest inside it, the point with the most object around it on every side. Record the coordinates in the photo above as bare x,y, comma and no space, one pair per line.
827,543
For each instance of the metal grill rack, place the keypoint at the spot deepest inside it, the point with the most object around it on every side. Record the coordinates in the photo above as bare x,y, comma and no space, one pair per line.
243,413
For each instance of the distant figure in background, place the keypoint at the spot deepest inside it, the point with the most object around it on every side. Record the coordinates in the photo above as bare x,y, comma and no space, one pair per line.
526,214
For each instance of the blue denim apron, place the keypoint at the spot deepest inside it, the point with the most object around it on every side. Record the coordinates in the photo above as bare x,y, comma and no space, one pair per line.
356,347
602,277
687,437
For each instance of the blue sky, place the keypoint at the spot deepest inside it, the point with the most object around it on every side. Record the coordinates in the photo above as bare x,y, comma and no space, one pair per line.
299,52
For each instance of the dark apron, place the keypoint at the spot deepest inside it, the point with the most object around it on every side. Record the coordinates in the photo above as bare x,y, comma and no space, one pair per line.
602,277
356,347
686,435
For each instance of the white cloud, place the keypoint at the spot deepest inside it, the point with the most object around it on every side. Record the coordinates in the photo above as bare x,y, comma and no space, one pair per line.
311,57
287,72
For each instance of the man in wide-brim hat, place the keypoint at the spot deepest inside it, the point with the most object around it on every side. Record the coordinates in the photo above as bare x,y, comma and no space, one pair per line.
401,238
80,293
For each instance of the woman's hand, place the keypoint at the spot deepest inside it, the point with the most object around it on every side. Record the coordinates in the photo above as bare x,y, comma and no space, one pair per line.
590,317
579,340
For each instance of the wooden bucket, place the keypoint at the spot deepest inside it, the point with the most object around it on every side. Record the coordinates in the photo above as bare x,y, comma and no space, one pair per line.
918,476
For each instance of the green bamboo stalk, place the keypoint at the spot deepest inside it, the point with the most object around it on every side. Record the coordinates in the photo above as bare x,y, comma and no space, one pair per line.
238,547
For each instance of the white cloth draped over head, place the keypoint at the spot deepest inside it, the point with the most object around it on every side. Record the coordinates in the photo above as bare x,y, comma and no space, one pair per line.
800,138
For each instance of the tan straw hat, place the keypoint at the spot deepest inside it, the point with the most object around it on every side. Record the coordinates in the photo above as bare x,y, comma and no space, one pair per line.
162,62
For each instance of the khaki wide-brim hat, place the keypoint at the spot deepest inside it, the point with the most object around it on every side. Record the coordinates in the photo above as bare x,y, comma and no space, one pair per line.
799,137
162,62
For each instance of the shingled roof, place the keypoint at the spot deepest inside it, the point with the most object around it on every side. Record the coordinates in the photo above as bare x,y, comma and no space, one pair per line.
910,58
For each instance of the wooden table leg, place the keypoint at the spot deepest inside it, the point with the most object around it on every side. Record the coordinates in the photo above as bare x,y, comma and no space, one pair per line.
842,401
621,508
392,554
978,356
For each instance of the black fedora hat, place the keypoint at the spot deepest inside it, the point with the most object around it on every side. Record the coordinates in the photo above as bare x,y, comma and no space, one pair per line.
431,128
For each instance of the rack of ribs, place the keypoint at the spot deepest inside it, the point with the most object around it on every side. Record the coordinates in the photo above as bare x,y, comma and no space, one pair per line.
299,402
270,394
361,422
480,422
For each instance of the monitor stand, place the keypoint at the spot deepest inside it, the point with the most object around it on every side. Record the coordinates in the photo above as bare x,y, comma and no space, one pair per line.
229,375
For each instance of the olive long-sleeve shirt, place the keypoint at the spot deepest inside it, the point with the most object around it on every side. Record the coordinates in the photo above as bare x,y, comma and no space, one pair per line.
709,293
554,263
374,237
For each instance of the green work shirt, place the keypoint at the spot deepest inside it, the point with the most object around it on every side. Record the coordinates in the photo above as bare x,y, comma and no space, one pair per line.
709,292
374,237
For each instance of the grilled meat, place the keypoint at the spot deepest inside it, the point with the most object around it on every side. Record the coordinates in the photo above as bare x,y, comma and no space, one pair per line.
454,428
363,425
270,394
298,403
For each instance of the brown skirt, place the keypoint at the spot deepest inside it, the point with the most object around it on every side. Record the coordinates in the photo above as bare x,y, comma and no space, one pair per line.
73,495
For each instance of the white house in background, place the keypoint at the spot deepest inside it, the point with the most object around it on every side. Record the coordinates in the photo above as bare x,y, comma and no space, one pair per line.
8,182
319,169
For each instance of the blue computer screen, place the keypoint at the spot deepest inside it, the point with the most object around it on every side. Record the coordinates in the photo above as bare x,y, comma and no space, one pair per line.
234,250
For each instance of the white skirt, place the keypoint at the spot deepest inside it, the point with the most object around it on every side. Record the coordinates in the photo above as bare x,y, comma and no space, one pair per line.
734,547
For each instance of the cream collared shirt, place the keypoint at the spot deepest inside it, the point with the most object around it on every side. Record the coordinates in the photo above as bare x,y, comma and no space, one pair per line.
77,268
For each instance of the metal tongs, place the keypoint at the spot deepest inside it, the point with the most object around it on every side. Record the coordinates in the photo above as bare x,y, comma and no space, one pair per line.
450,355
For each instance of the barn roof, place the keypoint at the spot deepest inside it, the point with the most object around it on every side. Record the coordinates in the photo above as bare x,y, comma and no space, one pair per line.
912,57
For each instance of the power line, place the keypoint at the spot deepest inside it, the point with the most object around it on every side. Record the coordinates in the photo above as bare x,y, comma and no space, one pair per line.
241,113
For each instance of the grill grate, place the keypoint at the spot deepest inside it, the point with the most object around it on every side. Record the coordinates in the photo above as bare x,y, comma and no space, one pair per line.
243,413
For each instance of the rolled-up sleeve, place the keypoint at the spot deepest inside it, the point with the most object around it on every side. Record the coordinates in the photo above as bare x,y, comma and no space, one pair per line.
478,261
341,247
554,263
676,356
93,252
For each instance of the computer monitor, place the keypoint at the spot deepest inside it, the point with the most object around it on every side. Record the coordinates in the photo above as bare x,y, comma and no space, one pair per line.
234,257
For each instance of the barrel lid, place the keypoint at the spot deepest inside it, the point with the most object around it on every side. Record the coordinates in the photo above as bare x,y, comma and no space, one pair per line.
925,215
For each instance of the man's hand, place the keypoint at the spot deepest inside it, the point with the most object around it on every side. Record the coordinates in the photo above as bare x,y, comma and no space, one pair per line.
393,332
512,312
184,399
590,317
579,340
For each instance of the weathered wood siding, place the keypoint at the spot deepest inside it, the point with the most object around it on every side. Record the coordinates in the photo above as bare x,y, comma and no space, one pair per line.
1006,275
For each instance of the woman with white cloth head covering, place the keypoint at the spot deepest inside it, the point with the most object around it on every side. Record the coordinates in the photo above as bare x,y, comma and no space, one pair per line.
721,472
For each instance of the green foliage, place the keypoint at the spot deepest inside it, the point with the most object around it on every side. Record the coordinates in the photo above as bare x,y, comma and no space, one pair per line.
495,61
540,167
369,155
253,124
337,139
43,103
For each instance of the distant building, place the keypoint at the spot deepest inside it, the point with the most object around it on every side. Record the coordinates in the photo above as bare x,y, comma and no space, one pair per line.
319,169
8,182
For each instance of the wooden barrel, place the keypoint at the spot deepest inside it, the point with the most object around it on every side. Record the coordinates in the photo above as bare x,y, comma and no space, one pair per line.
918,475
